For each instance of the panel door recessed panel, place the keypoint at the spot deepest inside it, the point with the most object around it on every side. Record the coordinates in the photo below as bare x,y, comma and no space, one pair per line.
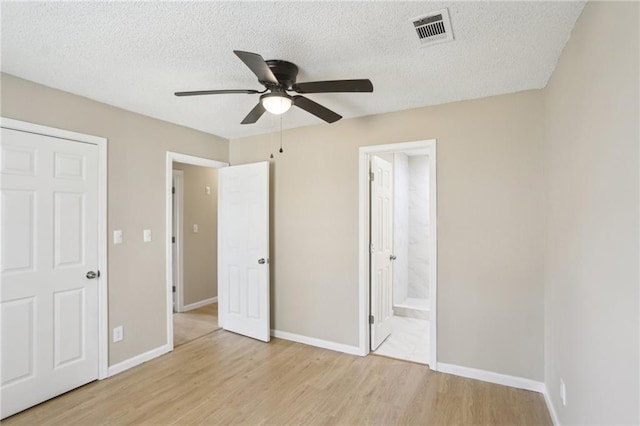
237,211
17,342
255,219
69,335
18,230
233,289
69,166
69,229
18,160
253,293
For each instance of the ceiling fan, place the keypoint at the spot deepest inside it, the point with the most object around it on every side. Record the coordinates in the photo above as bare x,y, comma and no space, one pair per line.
279,77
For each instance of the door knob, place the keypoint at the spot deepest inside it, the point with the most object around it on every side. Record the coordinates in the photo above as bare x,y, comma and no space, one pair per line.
262,261
392,257
91,274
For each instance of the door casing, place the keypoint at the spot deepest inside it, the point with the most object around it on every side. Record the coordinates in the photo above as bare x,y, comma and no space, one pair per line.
101,143
427,147
178,210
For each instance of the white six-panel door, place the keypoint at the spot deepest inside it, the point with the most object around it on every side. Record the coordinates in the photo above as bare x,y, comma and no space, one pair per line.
243,241
381,250
49,242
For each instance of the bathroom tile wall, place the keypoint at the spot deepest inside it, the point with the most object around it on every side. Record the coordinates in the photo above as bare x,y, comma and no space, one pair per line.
418,227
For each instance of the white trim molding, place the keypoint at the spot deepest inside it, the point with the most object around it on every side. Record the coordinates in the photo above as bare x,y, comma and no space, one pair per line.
138,359
199,304
177,225
505,380
103,284
423,147
492,377
318,343
551,407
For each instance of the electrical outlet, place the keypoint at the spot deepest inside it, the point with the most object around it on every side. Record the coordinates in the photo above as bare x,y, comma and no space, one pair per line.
118,333
563,392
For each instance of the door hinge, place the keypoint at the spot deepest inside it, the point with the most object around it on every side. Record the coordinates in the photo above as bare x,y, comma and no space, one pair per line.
372,176
371,248
173,288
173,189
173,239
371,319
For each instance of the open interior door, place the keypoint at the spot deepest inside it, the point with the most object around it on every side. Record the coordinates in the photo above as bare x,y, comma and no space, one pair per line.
243,241
381,250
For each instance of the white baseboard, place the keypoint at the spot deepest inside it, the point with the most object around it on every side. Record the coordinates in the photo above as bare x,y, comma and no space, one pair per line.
312,341
199,304
551,407
491,377
137,360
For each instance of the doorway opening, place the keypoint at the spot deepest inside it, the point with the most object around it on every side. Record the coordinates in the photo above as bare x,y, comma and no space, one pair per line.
398,251
192,231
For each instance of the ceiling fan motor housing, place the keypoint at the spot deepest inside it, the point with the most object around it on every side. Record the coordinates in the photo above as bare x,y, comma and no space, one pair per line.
286,72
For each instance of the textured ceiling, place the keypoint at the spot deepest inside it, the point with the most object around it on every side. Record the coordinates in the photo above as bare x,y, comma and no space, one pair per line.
134,55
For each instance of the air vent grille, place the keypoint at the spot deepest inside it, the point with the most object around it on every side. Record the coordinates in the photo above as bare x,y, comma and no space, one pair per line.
433,28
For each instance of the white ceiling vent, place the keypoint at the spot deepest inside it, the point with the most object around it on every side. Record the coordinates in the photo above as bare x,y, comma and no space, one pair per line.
433,28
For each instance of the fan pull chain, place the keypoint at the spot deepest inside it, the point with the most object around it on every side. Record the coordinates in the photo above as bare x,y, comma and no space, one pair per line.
281,150
271,147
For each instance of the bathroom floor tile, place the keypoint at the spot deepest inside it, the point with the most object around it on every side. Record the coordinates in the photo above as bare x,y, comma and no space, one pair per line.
409,340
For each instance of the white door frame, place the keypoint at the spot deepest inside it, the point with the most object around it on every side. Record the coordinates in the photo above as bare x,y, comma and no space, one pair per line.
103,299
195,161
427,147
178,198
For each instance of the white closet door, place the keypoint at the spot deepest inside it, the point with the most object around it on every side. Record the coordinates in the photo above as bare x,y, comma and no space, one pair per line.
48,302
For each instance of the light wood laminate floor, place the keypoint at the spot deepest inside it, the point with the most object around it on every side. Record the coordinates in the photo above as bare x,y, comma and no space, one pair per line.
190,325
224,378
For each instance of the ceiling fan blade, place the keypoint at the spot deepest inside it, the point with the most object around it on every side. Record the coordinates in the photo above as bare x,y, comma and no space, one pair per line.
215,92
258,65
254,114
334,86
316,109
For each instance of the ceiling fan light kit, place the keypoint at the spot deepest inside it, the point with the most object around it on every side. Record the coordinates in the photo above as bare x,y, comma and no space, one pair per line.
278,77
276,103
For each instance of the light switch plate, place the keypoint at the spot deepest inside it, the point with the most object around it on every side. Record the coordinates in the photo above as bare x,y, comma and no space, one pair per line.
207,190
195,228
117,237
146,235
118,333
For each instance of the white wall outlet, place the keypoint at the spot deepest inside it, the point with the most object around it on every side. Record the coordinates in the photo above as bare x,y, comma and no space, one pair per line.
207,190
118,333
563,392
146,235
117,237
195,228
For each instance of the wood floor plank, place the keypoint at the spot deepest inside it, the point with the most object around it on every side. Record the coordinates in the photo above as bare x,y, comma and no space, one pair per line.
193,324
223,378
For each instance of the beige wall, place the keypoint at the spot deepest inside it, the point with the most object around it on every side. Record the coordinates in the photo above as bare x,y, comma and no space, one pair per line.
136,199
591,280
537,217
490,240
200,250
